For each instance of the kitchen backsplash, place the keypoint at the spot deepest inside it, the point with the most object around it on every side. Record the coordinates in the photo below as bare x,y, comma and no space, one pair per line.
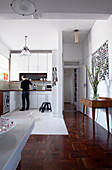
4,84
38,85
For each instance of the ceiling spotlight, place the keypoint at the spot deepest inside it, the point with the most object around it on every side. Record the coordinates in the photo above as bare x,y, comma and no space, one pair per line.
23,7
76,36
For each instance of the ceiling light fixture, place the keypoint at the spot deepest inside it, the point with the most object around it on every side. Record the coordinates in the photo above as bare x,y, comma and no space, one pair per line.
76,36
25,50
23,7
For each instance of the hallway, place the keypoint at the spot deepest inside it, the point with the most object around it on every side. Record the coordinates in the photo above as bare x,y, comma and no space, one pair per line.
78,150
68,107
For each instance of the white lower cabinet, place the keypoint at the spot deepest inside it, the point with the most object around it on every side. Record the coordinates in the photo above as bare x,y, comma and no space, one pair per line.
19,99
36,99
49,98
33,99
41,99
13,98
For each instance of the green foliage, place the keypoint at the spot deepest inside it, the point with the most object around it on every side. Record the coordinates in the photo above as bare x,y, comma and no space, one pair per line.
94,76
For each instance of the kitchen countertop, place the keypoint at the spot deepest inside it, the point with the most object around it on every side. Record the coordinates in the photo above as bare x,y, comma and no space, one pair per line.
12,144
21,90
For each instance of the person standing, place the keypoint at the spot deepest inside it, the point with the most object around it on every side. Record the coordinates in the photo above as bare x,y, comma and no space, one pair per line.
25,92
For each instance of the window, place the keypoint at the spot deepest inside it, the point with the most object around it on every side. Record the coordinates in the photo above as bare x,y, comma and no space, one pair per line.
4,67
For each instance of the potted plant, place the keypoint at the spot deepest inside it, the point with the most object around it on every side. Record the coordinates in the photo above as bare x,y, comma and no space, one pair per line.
95,79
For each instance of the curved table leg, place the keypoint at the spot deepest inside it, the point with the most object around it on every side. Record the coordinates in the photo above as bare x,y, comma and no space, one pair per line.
107,116
93,115
83,111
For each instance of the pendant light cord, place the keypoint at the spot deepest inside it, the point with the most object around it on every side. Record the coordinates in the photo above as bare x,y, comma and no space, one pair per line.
25,41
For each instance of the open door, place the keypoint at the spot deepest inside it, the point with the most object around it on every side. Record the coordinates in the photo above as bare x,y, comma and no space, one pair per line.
83,84
69,89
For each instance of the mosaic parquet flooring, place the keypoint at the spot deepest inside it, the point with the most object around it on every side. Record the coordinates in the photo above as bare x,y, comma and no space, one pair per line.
78,150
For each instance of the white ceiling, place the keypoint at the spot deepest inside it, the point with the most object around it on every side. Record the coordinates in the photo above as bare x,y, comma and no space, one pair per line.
64,6
12,32
65,15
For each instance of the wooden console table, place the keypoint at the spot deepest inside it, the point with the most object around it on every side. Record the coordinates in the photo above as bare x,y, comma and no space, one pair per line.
101,103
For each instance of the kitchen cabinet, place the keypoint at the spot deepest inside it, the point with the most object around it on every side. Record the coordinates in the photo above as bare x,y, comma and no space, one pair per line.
42,63
19,100
36,63
19,64
14,71
41,99
24,64
33,100
13,99
44,97
49,98
33,63
37,98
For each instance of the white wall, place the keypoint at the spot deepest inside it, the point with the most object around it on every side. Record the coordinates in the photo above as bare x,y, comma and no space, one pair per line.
57,91
60,75
4,49
5,52
55,88
100,32
72,52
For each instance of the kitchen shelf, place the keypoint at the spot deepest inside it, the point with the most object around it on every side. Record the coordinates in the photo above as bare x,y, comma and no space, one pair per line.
34,76
31,80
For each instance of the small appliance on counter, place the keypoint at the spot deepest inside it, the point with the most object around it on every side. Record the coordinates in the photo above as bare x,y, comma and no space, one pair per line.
48,87
43,88
34,87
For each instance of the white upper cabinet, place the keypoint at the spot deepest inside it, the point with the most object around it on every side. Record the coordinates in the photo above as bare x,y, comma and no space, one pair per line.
42,63
24,64
33,64
36,63
15,62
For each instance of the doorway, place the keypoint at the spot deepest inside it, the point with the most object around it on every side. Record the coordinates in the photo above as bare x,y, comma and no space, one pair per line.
70,89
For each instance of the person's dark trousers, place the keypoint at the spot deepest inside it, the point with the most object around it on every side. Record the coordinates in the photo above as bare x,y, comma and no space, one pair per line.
25,95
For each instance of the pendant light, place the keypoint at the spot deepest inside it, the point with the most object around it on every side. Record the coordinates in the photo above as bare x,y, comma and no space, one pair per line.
25,50
76,36
23,7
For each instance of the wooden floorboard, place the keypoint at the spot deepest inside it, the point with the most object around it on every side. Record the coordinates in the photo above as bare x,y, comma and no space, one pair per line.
78,150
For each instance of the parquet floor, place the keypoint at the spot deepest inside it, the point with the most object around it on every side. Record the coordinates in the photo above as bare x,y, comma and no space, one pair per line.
78,150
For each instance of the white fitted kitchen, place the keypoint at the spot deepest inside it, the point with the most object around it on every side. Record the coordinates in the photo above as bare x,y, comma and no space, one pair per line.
36,99
38,68
38,62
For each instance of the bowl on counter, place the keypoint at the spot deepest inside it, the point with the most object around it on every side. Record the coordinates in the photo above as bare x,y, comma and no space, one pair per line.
6,124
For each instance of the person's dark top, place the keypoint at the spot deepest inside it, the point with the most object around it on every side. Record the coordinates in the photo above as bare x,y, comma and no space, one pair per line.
25,85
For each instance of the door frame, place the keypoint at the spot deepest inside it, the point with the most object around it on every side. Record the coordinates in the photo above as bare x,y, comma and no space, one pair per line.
78,96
